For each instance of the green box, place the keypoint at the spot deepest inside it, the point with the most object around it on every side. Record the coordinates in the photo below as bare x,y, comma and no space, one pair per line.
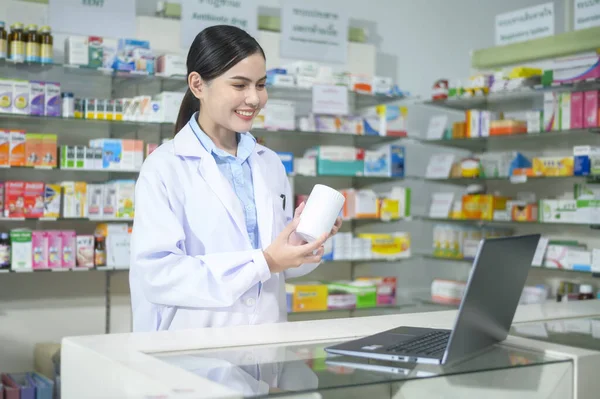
366,292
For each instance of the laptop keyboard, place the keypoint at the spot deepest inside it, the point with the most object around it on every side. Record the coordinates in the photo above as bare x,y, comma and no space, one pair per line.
429,344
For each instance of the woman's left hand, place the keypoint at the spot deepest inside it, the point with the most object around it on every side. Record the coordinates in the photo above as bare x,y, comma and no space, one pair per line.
336,227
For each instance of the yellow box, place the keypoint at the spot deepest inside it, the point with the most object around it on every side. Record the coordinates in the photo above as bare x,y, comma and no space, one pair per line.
553,166
482,206
307,297
396,245
389,209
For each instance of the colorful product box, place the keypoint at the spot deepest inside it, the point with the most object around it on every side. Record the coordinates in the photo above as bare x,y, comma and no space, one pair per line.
340,161
6,95
577,110
389,246
17,148
37,97
52,99
14,199
287,159
550,111
21,249
69,247
392,120
52,200
387,161
33,149
307,297
4,148
553,166
54,249
40,249
590,109
21,100
85,251
386,289
524,212
482,206
34,200
565,111
558,211
364,291
48,152
125,198
582,159
95,197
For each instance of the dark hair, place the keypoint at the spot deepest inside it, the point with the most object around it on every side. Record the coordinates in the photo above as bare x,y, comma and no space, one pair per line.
214,51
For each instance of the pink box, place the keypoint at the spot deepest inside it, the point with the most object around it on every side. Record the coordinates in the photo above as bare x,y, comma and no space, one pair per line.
590,109
577,110
68,248
39,242
54,249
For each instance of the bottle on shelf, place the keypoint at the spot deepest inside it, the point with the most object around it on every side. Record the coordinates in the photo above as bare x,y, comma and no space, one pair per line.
586,292
99,252
46,43
3,41
16,43
4,251
32,44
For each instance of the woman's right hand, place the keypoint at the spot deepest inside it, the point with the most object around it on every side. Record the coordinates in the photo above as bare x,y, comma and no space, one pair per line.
283,254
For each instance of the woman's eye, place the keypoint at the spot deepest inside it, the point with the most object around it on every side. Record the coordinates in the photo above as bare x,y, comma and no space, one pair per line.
261,86
239,86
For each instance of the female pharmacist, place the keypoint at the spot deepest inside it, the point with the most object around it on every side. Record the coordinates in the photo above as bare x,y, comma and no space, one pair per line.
214,231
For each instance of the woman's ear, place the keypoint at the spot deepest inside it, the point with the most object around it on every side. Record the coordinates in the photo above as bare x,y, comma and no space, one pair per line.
196,85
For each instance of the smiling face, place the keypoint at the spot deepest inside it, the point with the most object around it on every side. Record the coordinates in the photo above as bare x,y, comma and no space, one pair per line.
231,101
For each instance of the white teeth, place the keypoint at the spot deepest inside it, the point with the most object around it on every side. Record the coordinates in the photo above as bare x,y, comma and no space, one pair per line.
245,113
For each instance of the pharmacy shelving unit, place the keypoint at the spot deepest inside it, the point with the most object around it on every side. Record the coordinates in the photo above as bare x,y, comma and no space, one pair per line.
107,84
553,143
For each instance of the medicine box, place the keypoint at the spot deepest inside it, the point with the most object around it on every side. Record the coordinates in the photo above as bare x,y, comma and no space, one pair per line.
565,111
69,248
287,159
558,211
21,100
392,120
534,121
590,109
306,296
17,148
109,207
39,243
581,159
85,251
386,161
48,150
6,95
21,249
95,200
14,199
386,289
52,200
54,248
130,51
365,292
550,111
389,246
171,64
577,110
4,148
37,95
125,193
34,200
340,161
33,149
77,50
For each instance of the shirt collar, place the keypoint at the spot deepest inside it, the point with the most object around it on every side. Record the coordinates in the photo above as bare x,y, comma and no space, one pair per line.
246,141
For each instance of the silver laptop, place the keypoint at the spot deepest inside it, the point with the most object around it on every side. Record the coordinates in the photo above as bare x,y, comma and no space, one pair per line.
485,315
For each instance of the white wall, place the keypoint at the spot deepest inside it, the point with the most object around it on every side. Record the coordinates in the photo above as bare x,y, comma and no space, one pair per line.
417,42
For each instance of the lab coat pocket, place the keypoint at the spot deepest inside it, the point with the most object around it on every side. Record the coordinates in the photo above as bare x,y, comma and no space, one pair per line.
279,214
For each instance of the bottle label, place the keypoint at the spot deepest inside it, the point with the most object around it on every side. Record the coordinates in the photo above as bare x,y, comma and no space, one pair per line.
4,256
32,52
3,49
100,258
17,51
46,53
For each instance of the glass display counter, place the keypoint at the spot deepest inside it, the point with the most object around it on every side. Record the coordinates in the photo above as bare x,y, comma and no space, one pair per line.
306,370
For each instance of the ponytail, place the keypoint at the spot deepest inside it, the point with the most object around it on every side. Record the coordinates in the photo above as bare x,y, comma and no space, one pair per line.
189,106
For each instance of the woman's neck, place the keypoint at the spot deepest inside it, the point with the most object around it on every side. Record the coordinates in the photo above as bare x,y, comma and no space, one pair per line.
223,138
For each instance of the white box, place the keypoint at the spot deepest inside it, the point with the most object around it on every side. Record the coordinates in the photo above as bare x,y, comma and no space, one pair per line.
95,200
109,208
77,50
6,95
305,166
378,162
565,111
21,91
169,103
382,85
280,115
70,202
117,250
550,111
170,65
534,121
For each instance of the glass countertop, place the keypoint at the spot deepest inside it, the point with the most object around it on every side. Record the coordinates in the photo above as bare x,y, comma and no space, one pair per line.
294,369
579,332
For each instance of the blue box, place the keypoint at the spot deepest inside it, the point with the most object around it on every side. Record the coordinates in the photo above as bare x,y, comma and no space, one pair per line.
581,160
340,161
387,161
287,159
397,154
127,51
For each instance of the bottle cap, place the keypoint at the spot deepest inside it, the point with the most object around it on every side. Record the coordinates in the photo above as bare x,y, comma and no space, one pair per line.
585,289
67,95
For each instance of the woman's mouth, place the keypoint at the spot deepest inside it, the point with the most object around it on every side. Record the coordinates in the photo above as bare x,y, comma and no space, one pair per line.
245,115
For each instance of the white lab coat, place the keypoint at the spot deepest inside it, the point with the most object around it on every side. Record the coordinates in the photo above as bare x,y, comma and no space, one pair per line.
192,263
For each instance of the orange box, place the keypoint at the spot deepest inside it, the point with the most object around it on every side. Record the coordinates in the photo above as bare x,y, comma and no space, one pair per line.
524,213
482,206
4,148
523,172
17,148
49,150
34,199
33,149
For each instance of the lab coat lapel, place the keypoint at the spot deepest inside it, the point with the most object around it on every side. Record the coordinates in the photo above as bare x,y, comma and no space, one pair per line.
262,197
186,144
222,188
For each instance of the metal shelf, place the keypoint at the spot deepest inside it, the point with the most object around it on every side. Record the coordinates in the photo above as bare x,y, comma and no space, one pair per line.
501,222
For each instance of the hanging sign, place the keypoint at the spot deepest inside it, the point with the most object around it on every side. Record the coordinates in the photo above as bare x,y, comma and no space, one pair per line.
104,18
199,14
525,24
587,14
313,30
